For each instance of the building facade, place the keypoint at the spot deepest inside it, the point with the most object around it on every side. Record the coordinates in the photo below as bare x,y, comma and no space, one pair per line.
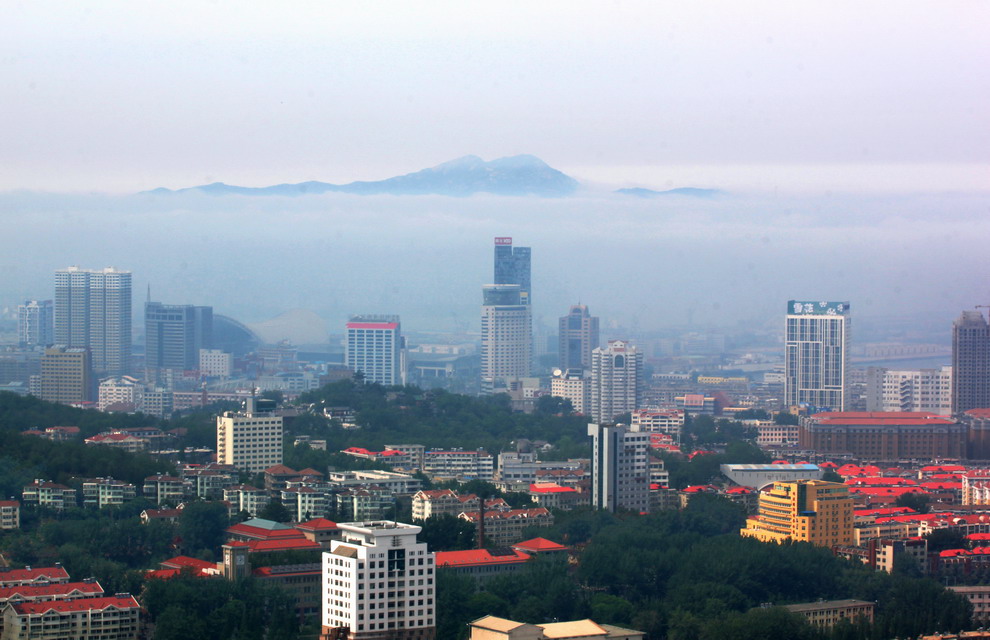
66,375
513,266
620,474
816,354
910,390
812,511
174,334
970,362
506,336
578,337
250,440
887,436
374,348
616,380
36,323
573,385
93,310
216,363
378,584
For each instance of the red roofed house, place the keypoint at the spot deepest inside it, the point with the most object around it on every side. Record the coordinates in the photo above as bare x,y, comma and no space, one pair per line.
480,563
542,547
29,576
893,435
503,528
437,502
119,441
199,567
260,529
553,496
113,618
320,530
160,515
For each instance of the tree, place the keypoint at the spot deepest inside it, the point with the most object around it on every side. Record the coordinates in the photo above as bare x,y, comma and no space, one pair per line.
554,405
202,526
447,533
275,511
917,501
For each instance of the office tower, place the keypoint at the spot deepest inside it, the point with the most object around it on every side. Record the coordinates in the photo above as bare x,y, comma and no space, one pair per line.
512,266
378,584
173,336
36,323
578,338
812,511
506,336
620,475
216,363
374,348
66,375
616,380
970,362
93,310
571,384
250,440
816,354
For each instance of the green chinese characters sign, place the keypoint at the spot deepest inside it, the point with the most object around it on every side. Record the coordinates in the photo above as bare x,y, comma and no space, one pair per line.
811,308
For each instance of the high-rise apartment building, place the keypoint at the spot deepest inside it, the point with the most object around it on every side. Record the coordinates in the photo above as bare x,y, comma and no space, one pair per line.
816,354
812,511
378,584
66,375
573,385
578,336
250,440
928,390
174,334
374,348
512,266
506,336
36,323
620,474
616,380
93,310
970,362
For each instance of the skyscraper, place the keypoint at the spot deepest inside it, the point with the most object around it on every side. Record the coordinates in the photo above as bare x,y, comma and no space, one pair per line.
374,348
578,337
970,362
66,375
93,310
173,335
250,440
616,380
512,266
620,475
36,323
506,336
370,556
816,354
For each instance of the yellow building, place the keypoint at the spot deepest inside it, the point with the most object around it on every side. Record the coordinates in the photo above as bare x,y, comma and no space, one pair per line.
812,511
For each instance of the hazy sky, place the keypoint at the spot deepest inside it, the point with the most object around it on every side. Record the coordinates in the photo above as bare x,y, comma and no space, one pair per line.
123,96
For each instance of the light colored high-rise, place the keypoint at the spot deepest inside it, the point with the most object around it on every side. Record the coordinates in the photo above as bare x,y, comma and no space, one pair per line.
616,380
925,390
970,362
571,384
506,336
816,354
66,375
250,440
578,337
620,474
378,584
93,310
36,323
374,348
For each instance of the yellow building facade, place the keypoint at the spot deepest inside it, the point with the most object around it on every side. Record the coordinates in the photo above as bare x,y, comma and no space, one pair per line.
812,511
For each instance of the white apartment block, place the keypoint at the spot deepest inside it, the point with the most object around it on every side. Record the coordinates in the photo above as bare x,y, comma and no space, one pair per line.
10,514
616,380
122,390
107,492
164,489
304,503
770,434
105,618
459,464
620,476
571,385
816,354
506,527
378,584
244,497
373,348
516,469
911,390
669,421
216,363
506,336
43,493
249,440
438,502
396,483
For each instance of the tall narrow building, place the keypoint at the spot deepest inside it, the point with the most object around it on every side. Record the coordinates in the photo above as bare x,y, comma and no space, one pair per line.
620,474
616,380
66,375
512,266
578,335
174,334
970,363
93,310
506,336
816,354
374,348
36,323
250,440
378,584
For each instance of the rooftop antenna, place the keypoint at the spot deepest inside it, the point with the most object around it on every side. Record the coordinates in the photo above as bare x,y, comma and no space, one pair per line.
149,292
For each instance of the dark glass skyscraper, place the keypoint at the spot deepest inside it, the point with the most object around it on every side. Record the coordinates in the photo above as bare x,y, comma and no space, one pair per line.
970,362
512,266
578,336
174,334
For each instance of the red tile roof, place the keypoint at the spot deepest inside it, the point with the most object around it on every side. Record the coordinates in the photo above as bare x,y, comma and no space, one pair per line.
258,533
880,418
317,524
23,575
477,557
123,601
48,590
260,546
179,562
539,544
536,488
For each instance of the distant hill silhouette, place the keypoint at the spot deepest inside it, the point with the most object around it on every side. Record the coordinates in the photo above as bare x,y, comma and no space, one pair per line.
522,175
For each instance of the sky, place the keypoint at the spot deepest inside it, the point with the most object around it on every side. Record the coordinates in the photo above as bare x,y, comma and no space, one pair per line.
120,96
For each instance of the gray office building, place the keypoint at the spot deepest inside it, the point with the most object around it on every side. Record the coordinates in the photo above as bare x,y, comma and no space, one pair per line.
174,334
512,266
578,337
970,362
